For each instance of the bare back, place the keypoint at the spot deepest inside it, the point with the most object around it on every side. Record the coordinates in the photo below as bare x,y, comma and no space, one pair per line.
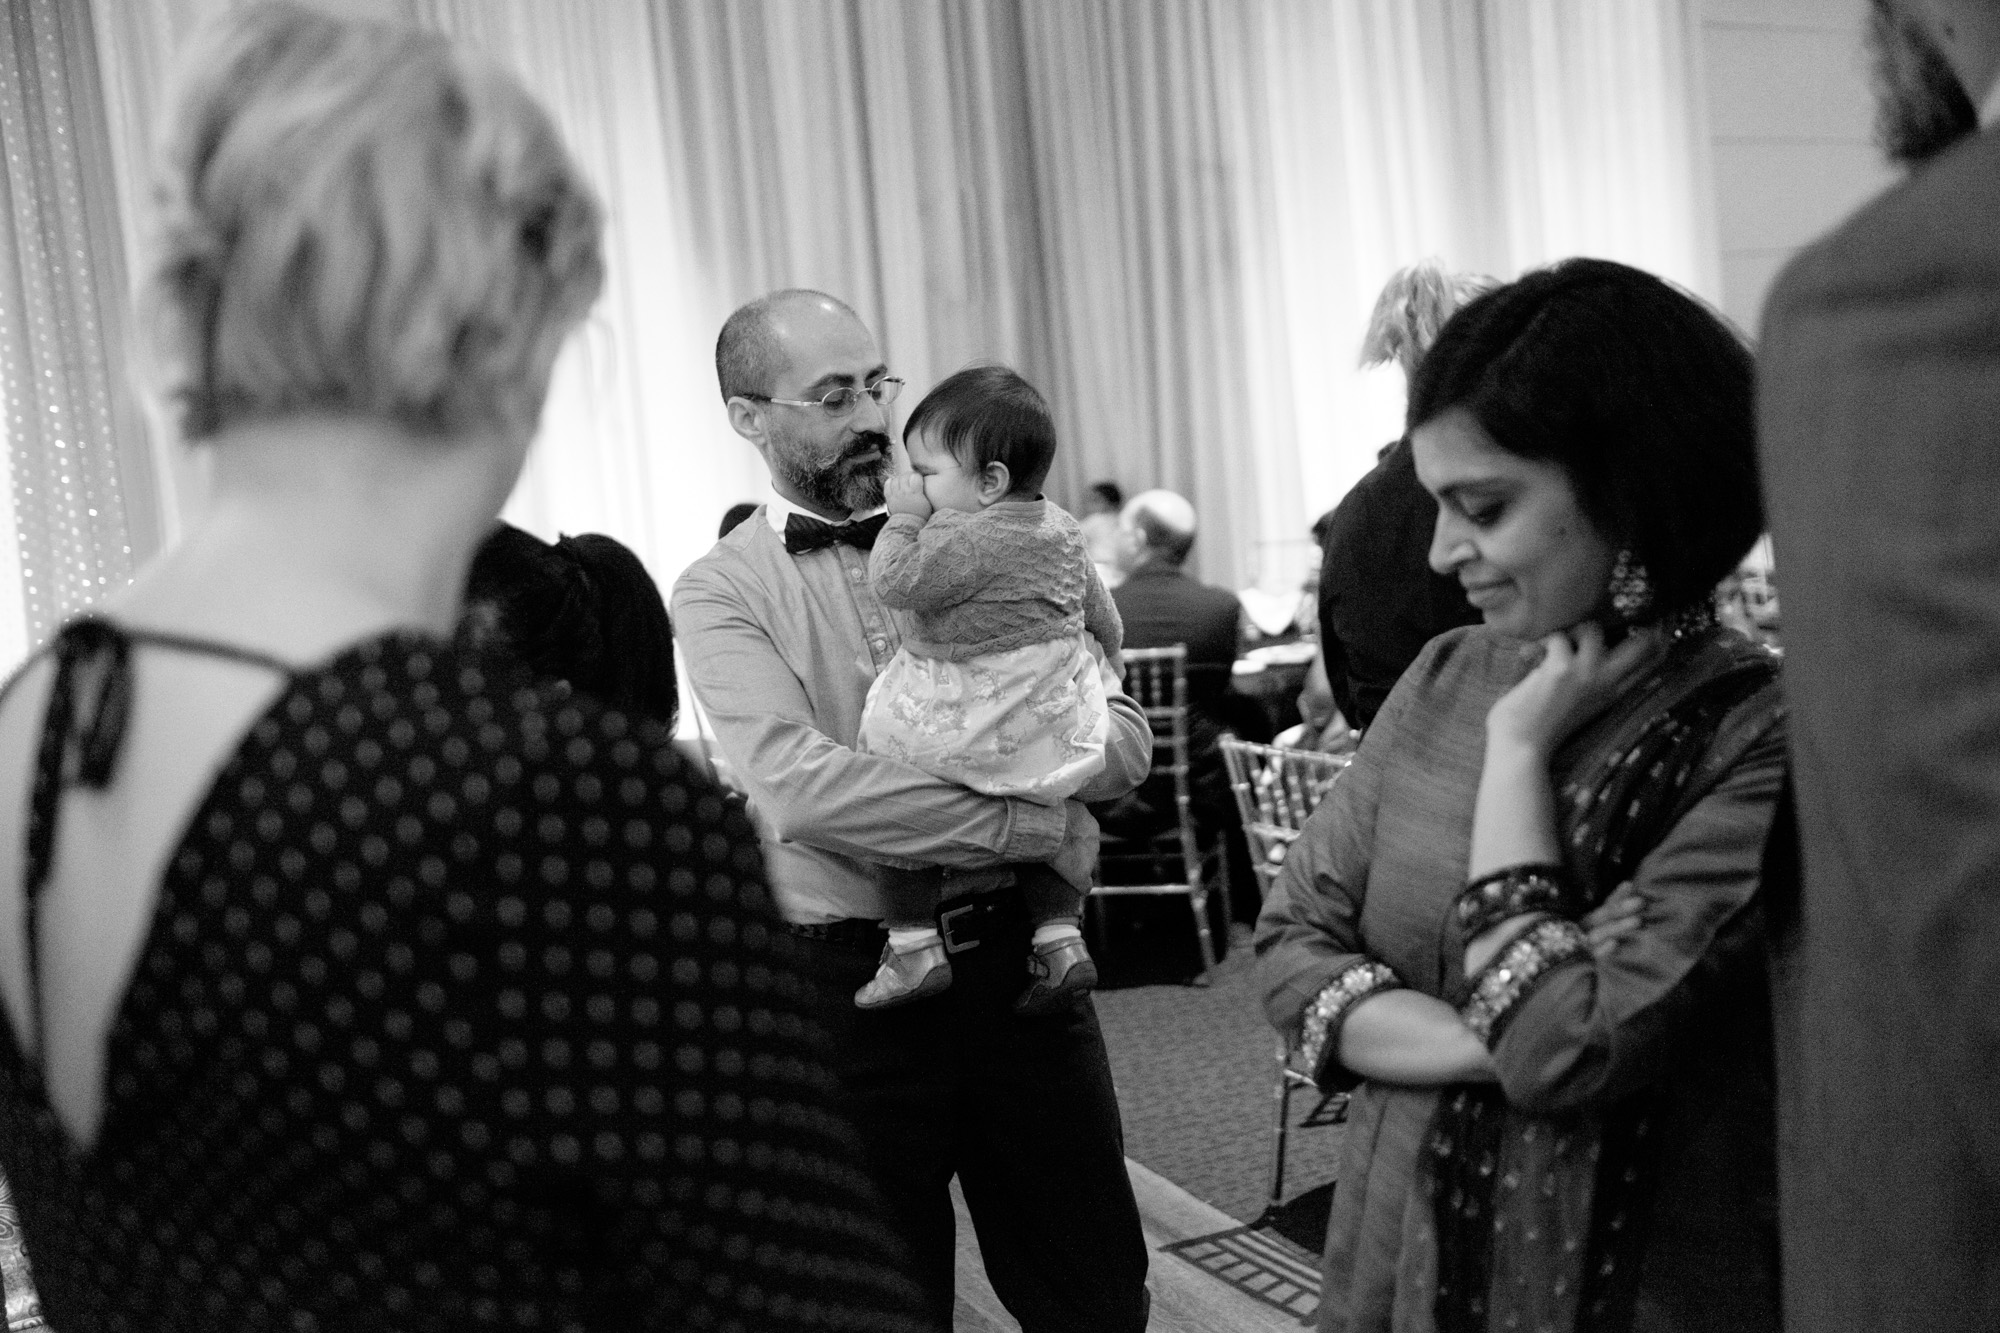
188,711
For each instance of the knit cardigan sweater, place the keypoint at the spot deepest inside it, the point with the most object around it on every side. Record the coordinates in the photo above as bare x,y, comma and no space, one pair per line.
1015,573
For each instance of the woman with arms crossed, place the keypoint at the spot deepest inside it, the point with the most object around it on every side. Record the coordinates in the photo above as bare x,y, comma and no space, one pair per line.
1527,921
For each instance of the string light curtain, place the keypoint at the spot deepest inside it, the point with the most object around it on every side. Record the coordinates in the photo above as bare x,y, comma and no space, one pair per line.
76,451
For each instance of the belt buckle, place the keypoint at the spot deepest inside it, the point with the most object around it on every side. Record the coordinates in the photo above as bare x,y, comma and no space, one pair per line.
945,920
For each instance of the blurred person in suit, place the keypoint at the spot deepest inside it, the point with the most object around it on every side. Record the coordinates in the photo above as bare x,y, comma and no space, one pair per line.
1162,605
1879,421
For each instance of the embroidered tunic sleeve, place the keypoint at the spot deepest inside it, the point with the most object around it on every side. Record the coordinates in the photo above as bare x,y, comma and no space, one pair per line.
1319,1035
1313,964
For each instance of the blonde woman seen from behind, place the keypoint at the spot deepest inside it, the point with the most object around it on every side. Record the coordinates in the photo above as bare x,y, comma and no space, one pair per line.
351,979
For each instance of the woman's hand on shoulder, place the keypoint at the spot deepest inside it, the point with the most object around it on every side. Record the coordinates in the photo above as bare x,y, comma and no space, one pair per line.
904,492
1574,682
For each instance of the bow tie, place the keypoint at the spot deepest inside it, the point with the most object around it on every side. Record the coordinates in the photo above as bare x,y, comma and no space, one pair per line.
803,534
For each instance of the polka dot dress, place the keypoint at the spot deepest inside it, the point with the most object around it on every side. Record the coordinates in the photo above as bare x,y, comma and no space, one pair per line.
458,1011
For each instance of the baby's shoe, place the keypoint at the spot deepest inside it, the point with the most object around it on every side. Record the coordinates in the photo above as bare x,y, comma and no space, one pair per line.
906,975
1059,973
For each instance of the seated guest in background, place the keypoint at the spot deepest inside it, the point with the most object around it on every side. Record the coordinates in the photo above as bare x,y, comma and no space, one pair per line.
582,611
783,636
1528,922
1162,605
735,514
351,980
1380,601
1101,504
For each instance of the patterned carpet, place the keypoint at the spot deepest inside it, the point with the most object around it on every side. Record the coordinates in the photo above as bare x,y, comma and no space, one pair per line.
1194,1068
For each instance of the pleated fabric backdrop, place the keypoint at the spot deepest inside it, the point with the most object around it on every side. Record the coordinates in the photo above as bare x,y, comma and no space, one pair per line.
1174,217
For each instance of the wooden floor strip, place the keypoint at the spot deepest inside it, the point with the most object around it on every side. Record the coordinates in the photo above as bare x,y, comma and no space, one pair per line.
1185,1299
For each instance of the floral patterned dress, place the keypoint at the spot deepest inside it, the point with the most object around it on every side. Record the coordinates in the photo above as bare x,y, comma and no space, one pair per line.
995,688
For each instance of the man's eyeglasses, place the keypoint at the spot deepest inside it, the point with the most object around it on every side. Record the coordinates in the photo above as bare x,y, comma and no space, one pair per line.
839,402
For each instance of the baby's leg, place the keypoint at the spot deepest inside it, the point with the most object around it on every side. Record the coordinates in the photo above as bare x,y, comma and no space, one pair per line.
912,896
1051,900
1060,970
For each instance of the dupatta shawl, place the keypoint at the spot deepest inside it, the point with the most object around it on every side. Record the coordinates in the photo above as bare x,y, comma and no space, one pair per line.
1541,1219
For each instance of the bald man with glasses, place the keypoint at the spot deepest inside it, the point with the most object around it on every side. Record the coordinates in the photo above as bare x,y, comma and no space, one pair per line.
783,636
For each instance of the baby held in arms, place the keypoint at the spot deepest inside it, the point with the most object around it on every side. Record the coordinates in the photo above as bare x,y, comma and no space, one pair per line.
996,686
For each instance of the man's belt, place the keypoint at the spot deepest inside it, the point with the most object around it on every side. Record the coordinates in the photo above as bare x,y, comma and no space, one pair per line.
965,922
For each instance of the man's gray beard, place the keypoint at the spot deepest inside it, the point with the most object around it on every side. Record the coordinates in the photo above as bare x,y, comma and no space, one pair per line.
831,486
1920,107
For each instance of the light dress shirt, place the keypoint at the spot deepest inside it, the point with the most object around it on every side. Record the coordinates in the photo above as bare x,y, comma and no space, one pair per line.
780,651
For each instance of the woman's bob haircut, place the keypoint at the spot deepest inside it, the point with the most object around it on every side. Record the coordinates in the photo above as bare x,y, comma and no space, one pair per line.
1640,393
357,218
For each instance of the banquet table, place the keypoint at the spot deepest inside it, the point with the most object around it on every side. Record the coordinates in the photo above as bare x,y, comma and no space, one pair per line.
1272,676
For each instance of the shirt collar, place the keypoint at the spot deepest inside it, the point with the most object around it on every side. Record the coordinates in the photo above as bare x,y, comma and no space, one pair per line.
1989,110
777,509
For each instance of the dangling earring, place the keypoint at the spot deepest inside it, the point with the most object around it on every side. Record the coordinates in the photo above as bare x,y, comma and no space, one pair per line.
1631,590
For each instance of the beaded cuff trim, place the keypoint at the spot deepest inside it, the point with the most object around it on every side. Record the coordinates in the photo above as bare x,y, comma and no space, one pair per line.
1354,984
1505,894
1507,980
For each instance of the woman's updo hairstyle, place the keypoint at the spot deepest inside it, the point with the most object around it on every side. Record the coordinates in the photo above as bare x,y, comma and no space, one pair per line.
355,217
1639,392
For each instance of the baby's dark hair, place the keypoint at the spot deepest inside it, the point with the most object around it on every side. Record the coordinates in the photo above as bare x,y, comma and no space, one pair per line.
989,414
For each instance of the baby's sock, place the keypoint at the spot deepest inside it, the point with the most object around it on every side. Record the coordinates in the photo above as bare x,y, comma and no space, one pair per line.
903,939
1054,933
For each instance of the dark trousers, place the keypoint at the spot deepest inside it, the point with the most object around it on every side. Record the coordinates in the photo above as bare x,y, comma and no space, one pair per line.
1019,1109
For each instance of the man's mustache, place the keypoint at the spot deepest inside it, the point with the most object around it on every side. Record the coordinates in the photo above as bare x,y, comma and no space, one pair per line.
872,443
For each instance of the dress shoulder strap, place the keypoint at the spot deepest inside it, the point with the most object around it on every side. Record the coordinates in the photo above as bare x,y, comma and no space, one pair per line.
83,732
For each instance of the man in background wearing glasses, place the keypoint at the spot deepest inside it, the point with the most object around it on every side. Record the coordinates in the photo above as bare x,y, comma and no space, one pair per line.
783,635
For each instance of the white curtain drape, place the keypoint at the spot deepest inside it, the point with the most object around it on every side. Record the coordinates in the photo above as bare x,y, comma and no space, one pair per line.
1497,136
1174,216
